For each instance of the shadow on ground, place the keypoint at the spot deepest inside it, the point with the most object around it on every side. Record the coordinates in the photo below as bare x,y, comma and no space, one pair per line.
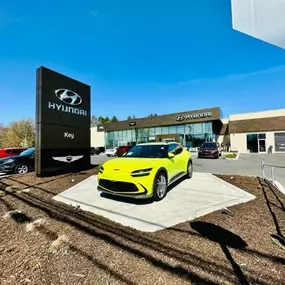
145,246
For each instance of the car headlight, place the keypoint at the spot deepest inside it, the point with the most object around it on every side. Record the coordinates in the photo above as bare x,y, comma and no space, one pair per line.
10,160
101,169
141,172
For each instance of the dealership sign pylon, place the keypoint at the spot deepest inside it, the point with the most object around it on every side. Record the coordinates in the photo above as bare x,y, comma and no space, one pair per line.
62,124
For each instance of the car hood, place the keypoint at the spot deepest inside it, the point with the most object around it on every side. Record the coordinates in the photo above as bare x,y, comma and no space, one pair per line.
130,164
208,148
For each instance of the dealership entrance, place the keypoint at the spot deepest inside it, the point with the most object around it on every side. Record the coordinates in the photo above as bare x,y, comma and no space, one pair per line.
256,143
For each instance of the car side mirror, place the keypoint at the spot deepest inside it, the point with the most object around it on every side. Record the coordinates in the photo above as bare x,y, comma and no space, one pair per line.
170,155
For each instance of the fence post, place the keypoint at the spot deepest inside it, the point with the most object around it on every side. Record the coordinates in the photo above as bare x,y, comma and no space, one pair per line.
272,173
262,168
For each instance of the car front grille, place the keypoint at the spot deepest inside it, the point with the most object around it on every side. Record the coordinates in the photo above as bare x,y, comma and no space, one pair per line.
118,186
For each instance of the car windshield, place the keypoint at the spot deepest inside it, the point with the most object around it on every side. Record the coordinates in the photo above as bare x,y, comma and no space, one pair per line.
209,145
28,151
147,151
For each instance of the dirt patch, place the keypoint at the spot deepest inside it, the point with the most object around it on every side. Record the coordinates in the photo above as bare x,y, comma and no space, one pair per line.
235,245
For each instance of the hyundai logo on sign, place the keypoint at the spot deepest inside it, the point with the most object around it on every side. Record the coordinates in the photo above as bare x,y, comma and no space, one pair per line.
132,124
68,97
180,118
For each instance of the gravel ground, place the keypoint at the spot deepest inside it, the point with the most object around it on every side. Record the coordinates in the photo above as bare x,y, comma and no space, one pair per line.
51,243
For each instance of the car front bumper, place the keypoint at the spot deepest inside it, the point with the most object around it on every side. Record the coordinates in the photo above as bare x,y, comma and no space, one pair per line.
126,186
6,168
209,154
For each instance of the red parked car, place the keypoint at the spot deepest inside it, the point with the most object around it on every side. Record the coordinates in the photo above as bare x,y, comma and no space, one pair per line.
122,149
11,151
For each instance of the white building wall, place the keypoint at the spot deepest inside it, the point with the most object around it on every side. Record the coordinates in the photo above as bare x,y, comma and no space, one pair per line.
97,138
239,142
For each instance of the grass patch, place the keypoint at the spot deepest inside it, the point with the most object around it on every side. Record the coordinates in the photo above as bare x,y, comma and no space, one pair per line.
231,155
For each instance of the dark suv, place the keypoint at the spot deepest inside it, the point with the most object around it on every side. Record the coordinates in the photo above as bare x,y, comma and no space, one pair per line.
20,164
209,149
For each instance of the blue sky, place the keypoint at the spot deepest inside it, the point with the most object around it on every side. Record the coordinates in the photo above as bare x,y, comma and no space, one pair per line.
139,57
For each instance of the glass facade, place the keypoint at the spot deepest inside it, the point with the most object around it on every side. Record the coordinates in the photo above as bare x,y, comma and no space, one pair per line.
256,142
191,135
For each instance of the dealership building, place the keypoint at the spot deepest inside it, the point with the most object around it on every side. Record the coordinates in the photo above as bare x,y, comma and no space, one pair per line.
248,133
256,132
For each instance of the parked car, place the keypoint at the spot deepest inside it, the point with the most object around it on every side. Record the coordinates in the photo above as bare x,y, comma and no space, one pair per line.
123,149
97,150
145,171
11,151
209,149
111,151
93,151
20,164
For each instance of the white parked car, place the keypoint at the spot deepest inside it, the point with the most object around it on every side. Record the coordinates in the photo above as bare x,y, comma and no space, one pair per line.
111,151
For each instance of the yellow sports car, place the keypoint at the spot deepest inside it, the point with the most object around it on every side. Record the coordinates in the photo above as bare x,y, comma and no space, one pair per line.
146,170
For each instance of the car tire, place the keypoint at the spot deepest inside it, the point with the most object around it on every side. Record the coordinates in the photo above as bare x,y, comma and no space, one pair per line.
159,186
189,169
21,168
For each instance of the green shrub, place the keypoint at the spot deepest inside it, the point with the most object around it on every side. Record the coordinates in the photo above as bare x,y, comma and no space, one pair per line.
231,155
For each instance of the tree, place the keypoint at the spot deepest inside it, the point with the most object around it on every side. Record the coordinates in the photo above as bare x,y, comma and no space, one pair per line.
152,115
105,119
129,118
114,119
2,130
20,133
95,121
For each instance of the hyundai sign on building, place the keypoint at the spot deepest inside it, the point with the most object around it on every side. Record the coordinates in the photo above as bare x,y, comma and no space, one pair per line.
62,124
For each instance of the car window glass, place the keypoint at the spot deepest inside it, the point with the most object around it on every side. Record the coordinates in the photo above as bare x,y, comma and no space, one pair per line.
171,148
178,149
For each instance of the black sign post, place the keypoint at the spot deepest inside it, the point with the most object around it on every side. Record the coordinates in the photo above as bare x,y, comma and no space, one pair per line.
62,124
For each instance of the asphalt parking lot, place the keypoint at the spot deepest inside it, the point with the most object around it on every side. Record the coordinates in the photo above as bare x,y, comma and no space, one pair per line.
247,164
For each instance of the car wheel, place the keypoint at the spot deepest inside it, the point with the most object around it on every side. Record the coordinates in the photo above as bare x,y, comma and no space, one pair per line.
160,186
21,169
189,169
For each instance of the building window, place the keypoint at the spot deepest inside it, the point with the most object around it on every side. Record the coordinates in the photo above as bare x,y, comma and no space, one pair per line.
152,131
172,130
191,135
157,130
262,136
252,142
164,130
256,142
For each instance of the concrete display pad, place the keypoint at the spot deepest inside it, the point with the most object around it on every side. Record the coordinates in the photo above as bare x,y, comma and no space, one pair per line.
190,199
